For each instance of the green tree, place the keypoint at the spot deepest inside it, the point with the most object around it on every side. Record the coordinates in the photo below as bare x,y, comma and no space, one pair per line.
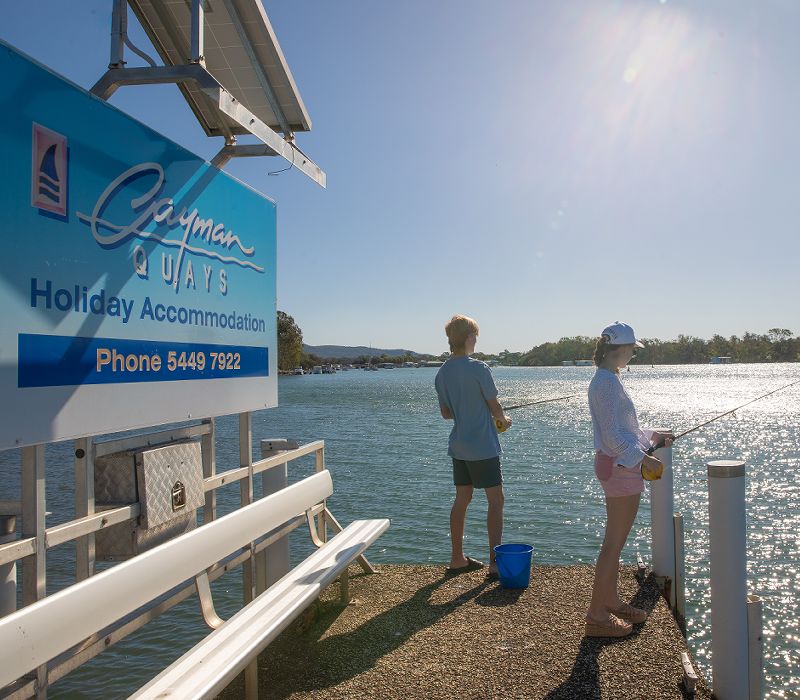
784,346
290,342
719,346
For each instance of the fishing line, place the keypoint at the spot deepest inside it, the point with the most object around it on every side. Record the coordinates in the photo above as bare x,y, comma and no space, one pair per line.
721,415
499,425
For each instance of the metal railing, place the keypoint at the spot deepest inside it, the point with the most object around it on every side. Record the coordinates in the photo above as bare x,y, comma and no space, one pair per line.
29,552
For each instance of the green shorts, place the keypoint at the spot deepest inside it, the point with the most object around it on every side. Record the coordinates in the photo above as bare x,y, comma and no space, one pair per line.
482,473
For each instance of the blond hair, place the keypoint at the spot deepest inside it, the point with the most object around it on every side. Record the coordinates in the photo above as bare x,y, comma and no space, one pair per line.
457,330
600,349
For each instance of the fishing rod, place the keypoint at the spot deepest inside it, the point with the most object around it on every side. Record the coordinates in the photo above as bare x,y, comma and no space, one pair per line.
499,425
533,403
721,415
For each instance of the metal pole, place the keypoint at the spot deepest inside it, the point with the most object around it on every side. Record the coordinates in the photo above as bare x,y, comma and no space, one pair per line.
119,13
8,572
208,450
662,508
246,496
34,569
755,647
273,562
322,523
248,567
726,510
84,505
197,48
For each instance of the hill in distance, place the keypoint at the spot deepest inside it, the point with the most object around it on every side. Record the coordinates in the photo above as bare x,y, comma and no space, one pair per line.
351,352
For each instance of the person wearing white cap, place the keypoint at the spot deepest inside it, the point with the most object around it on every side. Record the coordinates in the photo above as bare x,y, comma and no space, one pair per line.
621,462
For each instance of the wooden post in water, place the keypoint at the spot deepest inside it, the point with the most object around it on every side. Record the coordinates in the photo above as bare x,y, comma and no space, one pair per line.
755,647
726,521
662,508
679,584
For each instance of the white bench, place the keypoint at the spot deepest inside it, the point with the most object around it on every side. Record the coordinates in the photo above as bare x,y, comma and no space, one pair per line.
33,635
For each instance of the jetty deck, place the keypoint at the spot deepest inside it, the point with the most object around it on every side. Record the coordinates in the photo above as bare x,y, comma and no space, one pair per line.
410,632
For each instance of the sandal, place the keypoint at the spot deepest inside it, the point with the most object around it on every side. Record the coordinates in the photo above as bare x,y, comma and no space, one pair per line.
610,627
627,612
471,565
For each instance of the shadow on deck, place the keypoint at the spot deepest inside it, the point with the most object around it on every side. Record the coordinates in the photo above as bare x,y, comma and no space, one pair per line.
411,632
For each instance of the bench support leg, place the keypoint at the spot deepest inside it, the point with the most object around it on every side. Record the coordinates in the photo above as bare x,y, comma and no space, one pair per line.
251,680
207,601
313,531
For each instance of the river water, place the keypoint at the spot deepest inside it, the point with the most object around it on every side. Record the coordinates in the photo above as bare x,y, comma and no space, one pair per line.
385,445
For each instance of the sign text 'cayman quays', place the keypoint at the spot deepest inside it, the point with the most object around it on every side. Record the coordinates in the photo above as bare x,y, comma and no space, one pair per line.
138,282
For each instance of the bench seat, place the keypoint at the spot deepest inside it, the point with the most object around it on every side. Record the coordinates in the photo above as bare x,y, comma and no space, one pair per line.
215,661
38,633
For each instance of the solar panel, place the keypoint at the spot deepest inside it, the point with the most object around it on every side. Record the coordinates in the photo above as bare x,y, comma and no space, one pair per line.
241,52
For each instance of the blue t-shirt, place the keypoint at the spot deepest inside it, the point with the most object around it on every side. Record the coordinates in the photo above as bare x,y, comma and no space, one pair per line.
463,386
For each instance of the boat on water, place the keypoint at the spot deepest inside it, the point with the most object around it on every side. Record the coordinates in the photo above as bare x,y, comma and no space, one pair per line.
298,371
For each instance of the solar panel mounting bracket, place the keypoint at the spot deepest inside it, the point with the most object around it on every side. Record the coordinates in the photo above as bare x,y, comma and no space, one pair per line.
219,111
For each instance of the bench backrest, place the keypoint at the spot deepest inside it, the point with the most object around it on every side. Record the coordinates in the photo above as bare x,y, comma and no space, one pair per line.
39,632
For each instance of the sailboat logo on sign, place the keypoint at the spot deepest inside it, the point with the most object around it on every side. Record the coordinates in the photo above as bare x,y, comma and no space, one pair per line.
49,171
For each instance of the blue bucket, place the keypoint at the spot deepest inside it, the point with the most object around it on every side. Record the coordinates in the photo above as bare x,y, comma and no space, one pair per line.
514,564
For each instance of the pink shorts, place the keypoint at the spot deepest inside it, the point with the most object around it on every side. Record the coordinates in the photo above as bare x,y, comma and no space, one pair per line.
616,480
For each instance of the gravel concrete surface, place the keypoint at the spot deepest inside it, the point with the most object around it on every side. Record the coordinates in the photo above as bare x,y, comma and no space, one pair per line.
411,632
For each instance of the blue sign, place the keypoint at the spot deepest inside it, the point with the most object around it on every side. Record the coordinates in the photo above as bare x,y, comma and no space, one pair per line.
138,282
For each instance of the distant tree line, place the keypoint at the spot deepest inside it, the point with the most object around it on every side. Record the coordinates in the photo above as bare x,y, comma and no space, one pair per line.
311,360
777,345
291,354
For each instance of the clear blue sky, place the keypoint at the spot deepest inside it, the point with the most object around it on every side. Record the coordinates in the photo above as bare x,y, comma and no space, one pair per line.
545,167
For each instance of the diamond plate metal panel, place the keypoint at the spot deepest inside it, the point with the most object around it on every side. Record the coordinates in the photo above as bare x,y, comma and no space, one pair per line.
170,481
126,540
115,479
148,477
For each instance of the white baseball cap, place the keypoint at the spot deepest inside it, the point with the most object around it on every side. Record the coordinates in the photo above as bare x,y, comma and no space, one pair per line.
619,333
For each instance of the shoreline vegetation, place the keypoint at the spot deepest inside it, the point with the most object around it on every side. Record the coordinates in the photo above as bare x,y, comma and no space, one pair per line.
776,345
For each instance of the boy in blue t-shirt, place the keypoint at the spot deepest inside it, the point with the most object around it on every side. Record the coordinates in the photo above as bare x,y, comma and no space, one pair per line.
468,396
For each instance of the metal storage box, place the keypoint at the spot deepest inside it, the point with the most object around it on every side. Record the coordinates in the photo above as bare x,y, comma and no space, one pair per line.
166,481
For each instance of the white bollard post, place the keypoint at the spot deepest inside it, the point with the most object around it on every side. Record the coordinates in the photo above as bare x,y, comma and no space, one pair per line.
662,508
273,562
729,642
755,647
8,572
